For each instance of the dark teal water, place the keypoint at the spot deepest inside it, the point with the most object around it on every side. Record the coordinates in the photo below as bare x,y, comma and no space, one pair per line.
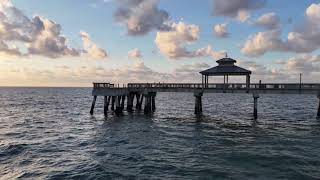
47,133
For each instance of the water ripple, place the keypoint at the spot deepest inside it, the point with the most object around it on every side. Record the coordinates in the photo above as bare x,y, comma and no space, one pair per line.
47,133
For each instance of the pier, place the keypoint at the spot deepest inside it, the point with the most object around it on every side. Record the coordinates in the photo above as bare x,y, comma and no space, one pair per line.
145,93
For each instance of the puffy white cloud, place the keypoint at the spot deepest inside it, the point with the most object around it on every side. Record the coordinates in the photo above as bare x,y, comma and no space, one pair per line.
91,49
37,36
47,40
269,21
262,42
221,30
239,9
172,43
313,12
135,53
306,64
141,16
305,39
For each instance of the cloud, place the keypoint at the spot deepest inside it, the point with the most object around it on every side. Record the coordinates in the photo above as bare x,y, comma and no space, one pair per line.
305,39
191,68
306,64
221,30
4,48
239,9
141,16
313,12
135,53
172,43
262,42
20,35
47,40
269,21
91,49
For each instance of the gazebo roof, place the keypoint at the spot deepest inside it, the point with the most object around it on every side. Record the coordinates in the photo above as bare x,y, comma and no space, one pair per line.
226,60
226,67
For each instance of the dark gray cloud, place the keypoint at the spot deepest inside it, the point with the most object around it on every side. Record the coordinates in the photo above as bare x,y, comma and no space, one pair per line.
141,16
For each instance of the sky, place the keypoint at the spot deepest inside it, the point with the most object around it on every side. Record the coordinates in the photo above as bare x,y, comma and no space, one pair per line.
77,42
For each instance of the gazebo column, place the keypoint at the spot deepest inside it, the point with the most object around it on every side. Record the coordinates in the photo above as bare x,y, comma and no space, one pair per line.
227,81
207,81
202,81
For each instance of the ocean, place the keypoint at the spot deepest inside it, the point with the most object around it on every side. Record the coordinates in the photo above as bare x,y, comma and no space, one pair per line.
48,133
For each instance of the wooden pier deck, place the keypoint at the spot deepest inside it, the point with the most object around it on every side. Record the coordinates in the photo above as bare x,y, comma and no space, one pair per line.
116,95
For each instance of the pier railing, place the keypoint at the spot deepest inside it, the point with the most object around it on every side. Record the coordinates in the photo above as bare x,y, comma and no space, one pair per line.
232,86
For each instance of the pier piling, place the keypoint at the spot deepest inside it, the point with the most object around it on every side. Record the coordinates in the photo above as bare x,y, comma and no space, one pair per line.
150,104
123,99
130,102
318,114
198,103
118,105
93,104
255,106
153,98
106,104
138,103
147,104
112,103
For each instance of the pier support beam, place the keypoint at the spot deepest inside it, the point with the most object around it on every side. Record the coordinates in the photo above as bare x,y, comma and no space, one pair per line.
150,103
138,104
147,104
93,104
255,106
106,104
198,102
139,101
123,99
318,114
153,99
118,105
112,103
130,99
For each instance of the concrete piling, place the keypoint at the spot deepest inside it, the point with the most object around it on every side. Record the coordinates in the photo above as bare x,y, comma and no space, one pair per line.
106,104
112,102
118,105
255,106
123,99
139,102
318,114
153,98
130,102
138,105
198,102
93,104
147,104
150,102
